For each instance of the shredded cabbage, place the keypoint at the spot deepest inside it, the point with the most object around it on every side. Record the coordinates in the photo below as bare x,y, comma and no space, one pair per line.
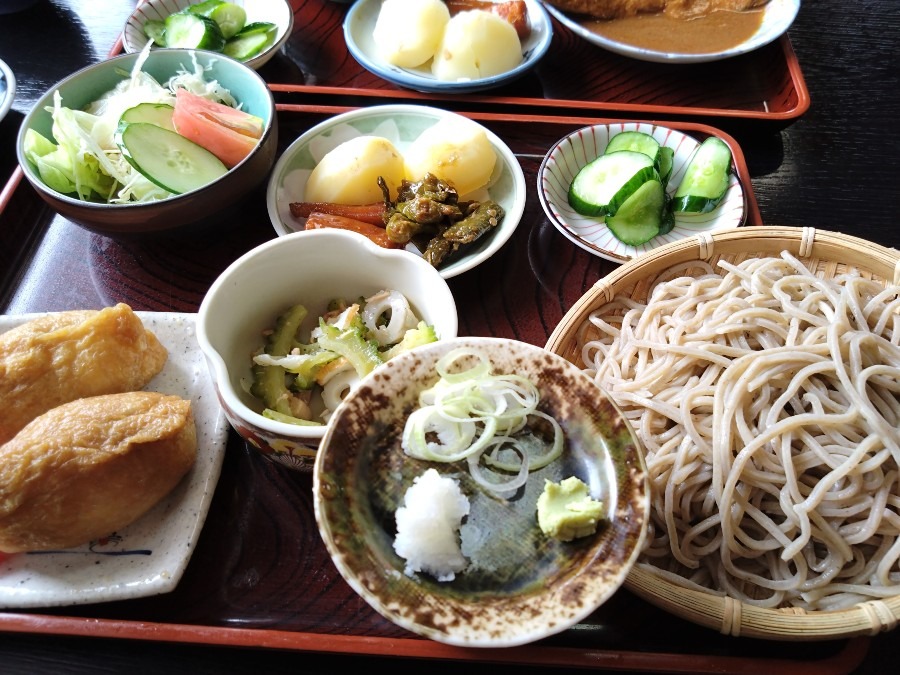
87,160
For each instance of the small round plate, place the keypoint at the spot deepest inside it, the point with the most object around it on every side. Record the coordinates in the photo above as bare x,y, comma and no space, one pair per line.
401,124
778,15
278,12
7,89
359,25
519,584
574,151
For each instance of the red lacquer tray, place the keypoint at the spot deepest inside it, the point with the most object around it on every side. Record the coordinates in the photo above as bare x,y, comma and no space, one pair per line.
260,575
574,77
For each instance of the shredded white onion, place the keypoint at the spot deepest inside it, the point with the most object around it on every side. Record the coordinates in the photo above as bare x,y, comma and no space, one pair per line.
470,413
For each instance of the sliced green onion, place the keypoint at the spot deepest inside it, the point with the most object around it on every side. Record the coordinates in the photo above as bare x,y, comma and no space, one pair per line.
503,486
472,414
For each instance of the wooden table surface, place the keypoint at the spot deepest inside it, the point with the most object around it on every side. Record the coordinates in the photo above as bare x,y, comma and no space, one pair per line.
834,167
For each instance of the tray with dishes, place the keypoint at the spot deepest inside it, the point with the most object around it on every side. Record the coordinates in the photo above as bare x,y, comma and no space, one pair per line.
331,53
260,574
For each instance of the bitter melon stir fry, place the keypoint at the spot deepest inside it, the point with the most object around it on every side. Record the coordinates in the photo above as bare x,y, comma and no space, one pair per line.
427,213
301,380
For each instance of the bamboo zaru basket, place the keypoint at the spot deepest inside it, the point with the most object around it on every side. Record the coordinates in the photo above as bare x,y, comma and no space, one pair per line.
827,254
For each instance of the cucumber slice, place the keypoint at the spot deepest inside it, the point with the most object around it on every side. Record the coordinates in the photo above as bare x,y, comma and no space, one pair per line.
258,27
243,47
639,218
705,178
230,17
668,217
159,114
166,158
636,141
155,30
204,8
193,31
605,183
666,163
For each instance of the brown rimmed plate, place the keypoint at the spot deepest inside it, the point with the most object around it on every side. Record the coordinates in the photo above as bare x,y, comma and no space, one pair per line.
519,584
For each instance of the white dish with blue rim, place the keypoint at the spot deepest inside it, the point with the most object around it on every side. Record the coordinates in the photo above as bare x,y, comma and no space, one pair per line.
359,25
149,556
7,89
777,17
401,124
569,155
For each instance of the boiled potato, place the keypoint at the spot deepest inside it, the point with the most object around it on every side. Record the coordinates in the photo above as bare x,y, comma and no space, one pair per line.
476,44
349,173
456,150
408,32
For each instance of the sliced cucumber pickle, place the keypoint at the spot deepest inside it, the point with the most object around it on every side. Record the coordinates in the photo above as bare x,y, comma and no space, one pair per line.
258,27
155,30
230,17
640,217
604,184
205,8
193,31
242,47
666,163
705,179
167,159
636,141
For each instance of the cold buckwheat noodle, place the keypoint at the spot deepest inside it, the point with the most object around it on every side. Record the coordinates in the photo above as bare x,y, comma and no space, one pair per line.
768,403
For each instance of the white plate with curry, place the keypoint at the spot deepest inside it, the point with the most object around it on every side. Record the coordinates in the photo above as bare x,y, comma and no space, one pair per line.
659,37
149,556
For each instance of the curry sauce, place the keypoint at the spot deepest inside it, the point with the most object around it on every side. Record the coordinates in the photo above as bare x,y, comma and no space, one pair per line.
715,32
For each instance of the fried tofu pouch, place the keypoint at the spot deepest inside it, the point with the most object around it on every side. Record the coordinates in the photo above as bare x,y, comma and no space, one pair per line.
90,467
68,355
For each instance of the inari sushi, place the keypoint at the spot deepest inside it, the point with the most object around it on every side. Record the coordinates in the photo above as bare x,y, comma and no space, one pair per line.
88,468
63,356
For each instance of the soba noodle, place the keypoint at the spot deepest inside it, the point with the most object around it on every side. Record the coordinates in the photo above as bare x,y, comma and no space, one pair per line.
768,403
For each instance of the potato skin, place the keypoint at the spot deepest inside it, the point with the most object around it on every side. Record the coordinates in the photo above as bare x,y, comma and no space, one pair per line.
90,467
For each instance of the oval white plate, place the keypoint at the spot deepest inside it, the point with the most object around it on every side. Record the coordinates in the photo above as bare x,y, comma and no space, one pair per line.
574,151
360,23
400,124
777,17
278,12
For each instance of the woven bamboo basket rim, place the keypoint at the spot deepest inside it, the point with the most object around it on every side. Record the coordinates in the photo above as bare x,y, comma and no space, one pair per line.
828,254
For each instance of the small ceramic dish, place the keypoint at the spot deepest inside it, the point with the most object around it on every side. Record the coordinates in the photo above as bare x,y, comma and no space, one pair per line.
400,124
778,15
7,89
309,268
519,585
570,154
149,556
359,25
279,12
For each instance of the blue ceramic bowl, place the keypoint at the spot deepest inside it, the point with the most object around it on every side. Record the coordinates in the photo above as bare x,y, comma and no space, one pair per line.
360,23
180,211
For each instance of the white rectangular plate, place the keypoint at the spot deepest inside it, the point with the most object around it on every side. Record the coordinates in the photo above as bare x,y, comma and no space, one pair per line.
149,556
